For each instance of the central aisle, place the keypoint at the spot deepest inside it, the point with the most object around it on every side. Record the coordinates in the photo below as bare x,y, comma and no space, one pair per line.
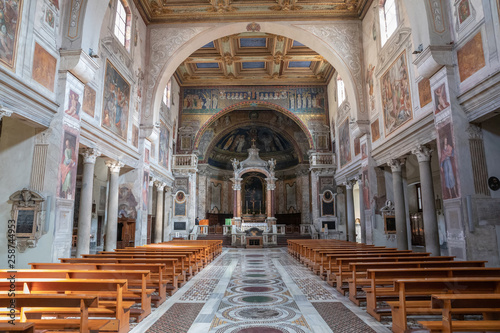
258,291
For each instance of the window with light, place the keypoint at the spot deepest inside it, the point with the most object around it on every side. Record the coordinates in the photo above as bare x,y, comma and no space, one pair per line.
167,94
123,19
340,91
388,19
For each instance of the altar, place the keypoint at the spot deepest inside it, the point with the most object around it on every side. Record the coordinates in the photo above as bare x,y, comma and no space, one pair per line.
247,226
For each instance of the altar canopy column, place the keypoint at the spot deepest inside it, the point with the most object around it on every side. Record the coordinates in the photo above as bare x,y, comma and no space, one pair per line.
270,200
85,214
112,222
362,216
160,186
351,220
237,199
431,231
399,203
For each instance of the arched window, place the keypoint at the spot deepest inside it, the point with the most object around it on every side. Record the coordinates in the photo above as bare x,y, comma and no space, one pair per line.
167,94
340,91
123,19
388,19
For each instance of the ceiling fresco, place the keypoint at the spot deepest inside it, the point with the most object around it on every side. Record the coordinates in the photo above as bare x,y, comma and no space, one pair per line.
175,11
254,58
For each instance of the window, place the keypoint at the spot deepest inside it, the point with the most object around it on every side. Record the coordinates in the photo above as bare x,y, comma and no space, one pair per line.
419,197
388,19
340,91
167,94
123,21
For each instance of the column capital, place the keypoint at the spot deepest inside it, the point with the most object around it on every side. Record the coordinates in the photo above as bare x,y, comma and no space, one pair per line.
423,153
349,184
89,155
114,166
396,164
237,187
160,186
474,131
340,190
4,112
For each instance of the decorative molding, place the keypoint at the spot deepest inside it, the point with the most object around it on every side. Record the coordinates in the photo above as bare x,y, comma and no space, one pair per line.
399,40
74,18
423,153
396,164
437,11
343,111
90,155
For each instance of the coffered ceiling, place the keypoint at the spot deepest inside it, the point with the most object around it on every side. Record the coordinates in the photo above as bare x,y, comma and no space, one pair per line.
254,59
174,11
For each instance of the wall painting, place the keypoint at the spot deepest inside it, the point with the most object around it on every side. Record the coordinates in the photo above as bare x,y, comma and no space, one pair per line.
424,92
440,98
73,109
365,185
396,97
145,189
11,12
447,161
463,10
164,138
364,153
44,67
68,164
135,136
370,84
50,18
471,57
357,147
375,127
146,155
127,202
88,106
344,143
115,102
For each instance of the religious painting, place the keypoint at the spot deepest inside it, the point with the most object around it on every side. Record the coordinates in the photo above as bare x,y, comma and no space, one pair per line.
73,109
365,185
88,106
135,136
375,127
50,18
253,190
153,151
396,98
102,198
115,102
328,204
364,153
145,189
447,161
344,143
440,98
44,67
186,142
11,12
424,92
164,141
180,204
357,147
370,83
67,165
471,57
127,203
146,156
463,10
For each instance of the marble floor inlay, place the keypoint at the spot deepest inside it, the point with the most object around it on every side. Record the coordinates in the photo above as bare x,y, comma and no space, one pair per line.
258,291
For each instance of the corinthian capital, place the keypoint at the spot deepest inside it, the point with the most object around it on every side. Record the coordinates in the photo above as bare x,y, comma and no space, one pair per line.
396,164
90,155
349,184
423,153
114,166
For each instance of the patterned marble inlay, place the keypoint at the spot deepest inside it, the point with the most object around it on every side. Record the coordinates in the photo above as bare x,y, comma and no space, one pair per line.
340,318
178,319
200,291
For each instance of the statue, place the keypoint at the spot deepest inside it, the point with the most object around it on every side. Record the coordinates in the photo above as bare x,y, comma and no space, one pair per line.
235,163
272,164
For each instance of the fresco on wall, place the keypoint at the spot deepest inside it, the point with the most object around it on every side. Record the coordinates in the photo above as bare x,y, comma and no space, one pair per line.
357,147
365,184
300,100
396,98
364,153
471,57
135,136
127,202
44,67
10,12
115,102
55,3
88,106
440,98
50,18
463,10
344,143
164,141
291,198
447,161
370,84
424,92
145,189
375,127
146,155
67,165
73,109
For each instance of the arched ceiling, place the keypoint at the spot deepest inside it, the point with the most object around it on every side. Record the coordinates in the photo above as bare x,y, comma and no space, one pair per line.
254,58
175,11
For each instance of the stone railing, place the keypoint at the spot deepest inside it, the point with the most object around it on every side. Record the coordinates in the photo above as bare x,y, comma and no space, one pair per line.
188,161
322,159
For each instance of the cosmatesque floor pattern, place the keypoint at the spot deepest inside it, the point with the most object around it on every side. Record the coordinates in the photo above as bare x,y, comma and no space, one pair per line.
258,291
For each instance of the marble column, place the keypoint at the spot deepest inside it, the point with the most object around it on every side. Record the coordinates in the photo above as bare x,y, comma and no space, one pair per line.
160,186
237,197
306,203
314,197
112,222
431,231
362,216
167,208
351,218
85,214
399,204
202,192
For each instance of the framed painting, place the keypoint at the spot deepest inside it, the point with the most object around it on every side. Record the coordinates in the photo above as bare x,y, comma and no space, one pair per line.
44,67
115,102
11,21
396,96
375,127
67,165
424,92
390,224
470,57
88,106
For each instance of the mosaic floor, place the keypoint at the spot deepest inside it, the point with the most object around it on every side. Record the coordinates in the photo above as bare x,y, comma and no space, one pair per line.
258,291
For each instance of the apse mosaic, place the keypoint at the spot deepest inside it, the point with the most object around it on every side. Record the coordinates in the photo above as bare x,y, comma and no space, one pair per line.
300,100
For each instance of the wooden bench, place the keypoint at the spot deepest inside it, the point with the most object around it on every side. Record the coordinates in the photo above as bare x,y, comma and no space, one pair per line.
409,288
464,304
17,327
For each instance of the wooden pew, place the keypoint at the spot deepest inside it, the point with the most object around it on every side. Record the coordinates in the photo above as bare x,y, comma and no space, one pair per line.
117,310
17,327
409,288
137,283
81,302
157,280
464,304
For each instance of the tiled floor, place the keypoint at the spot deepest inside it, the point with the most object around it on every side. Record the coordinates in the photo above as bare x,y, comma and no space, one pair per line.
258,291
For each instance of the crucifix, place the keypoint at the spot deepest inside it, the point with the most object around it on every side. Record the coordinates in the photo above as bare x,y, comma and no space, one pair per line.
253,142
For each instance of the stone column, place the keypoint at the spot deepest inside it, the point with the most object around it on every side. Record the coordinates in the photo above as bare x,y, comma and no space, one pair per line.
306,203
160,186
237,197
399,204
314,196
362,216
85,214
167,207
351,219
202,192
111,225
431,231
